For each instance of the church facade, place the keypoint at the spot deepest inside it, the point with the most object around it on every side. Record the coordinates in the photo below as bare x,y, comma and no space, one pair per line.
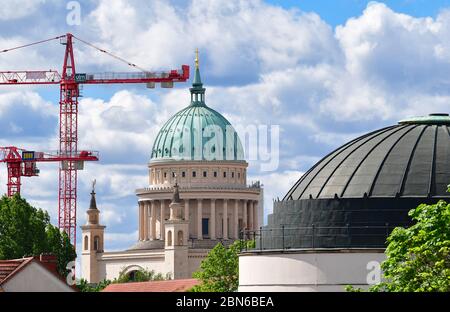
197,196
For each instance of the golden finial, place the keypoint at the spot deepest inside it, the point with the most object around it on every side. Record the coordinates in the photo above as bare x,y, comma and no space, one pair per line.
196,58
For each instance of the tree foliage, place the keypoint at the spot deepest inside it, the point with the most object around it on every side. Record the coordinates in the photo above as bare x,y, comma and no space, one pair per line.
27,231
219,271
84,286
418,257
141,275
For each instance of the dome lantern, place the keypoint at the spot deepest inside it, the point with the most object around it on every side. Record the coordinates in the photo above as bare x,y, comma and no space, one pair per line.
197,90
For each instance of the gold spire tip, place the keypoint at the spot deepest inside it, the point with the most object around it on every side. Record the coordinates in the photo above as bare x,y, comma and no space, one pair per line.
196,58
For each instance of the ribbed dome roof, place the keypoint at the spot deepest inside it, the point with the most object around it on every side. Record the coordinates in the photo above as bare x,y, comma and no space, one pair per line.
197,132
410,159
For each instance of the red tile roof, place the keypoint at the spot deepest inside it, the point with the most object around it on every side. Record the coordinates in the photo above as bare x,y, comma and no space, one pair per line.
179,285
8,268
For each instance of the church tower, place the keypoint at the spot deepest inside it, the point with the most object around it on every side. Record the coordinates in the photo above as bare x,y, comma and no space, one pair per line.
176,245
92,240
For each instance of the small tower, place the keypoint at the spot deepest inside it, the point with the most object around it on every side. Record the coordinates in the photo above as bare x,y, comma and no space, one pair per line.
176,246
92,241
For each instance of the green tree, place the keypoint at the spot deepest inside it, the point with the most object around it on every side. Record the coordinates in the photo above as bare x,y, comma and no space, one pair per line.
219,271
59,245
84,286
27,231
142,275
418,257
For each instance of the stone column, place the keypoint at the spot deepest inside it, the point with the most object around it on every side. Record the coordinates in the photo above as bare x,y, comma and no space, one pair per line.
162,219
146,205
152,220
251,225
213,218
245,219
199,218
141,220
255,215
186,209
236,219
225,219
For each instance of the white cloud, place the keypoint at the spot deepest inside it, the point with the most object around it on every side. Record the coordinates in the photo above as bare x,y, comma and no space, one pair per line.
123,125
15,9
250,35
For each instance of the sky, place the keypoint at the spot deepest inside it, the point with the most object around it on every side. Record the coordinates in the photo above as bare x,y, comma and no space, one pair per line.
324,72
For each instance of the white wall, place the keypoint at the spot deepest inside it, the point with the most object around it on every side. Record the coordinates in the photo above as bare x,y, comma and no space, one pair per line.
35,278
306,270
111,264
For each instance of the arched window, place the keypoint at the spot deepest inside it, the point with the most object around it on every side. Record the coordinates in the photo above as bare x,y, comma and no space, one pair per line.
169,238
180,238
86,242
96,243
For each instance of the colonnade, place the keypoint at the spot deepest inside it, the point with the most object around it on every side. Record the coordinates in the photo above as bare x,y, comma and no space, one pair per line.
240,214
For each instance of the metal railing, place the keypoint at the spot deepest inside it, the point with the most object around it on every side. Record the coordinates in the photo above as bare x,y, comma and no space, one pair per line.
285,238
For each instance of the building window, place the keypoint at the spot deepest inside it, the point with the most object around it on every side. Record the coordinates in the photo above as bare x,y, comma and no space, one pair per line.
165,175
96,243
205,227
224,174
180,238
183,174
215,174
169,238
232,175
239,175
205,174
241,228
173,174
194,174
86,242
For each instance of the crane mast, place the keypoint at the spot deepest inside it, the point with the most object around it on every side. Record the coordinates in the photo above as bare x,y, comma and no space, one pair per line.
68,142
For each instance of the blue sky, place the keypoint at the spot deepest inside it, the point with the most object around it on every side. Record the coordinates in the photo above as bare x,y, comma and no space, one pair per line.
323,71
337,12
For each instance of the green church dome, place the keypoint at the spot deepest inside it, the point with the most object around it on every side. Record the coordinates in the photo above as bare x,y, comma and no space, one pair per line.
197,132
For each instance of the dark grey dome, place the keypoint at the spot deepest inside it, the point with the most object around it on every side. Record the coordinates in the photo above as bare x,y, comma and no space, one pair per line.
357,194
411,159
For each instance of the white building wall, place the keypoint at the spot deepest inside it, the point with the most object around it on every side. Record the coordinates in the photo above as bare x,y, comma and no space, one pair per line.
324,270
110,264
35,278
195,258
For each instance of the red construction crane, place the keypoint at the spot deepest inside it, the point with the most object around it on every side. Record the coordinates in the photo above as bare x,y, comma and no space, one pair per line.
22,163
69,80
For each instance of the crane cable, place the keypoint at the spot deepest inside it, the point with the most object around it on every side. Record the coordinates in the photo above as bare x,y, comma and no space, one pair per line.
112,55
31,44
83,41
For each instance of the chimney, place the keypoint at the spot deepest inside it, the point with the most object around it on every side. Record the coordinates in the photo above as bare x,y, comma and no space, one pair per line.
49,261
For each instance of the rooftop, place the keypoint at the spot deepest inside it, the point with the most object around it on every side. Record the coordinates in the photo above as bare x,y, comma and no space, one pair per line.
8,268
179,285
